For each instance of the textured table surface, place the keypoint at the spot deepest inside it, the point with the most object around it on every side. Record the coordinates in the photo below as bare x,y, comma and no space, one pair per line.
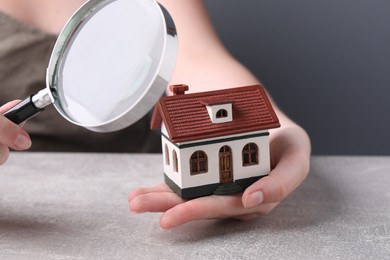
74,206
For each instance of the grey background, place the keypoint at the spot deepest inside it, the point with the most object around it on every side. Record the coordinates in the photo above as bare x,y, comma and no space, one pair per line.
326,63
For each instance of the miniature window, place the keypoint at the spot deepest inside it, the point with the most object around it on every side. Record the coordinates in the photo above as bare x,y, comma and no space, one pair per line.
198,163
250,154
174,161
166,154
221,113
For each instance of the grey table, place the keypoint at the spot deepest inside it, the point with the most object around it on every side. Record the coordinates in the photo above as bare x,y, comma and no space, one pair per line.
74,206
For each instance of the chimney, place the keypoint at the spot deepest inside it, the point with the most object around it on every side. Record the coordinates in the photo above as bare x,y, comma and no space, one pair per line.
178,89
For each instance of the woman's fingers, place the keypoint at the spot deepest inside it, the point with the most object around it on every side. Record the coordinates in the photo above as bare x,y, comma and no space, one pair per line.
291,160
162,187
282,180
12,135
211,207
154,202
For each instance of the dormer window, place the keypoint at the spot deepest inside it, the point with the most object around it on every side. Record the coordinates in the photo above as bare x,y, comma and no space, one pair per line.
220,111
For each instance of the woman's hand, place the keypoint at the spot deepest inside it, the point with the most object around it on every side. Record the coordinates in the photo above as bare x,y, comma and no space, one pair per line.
290,159
204,64
11,135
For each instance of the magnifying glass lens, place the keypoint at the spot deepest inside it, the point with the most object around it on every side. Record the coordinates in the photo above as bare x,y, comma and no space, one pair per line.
104,74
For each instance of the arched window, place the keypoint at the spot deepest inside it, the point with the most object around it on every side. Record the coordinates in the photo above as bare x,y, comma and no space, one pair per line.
221,113
166,151
175,163
250,154
198,163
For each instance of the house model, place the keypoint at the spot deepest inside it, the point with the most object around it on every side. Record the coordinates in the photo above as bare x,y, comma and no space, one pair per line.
214,142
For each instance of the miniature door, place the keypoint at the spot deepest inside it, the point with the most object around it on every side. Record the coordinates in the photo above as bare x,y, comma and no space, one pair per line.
225,165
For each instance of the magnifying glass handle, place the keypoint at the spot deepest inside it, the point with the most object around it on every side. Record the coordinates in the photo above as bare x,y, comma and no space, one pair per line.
22,111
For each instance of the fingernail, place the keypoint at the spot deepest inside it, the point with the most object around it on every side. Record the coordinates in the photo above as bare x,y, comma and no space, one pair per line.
22,142
133,211
254,199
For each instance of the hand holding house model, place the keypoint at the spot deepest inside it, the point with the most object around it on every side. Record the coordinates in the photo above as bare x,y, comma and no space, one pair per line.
214,142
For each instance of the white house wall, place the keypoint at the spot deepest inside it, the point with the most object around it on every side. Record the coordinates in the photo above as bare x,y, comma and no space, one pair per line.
239,171
183,178
168,168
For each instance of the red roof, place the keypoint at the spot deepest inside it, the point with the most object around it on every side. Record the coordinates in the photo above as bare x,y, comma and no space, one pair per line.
186,117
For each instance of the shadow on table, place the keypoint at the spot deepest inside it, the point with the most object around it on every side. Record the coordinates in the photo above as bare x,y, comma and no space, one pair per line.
25,224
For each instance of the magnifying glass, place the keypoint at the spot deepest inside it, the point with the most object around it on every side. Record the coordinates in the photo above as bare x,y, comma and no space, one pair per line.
111,63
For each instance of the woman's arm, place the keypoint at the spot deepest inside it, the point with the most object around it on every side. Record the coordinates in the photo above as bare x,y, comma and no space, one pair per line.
204,64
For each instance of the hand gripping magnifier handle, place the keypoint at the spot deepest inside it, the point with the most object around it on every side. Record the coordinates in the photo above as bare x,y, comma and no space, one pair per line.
29,107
